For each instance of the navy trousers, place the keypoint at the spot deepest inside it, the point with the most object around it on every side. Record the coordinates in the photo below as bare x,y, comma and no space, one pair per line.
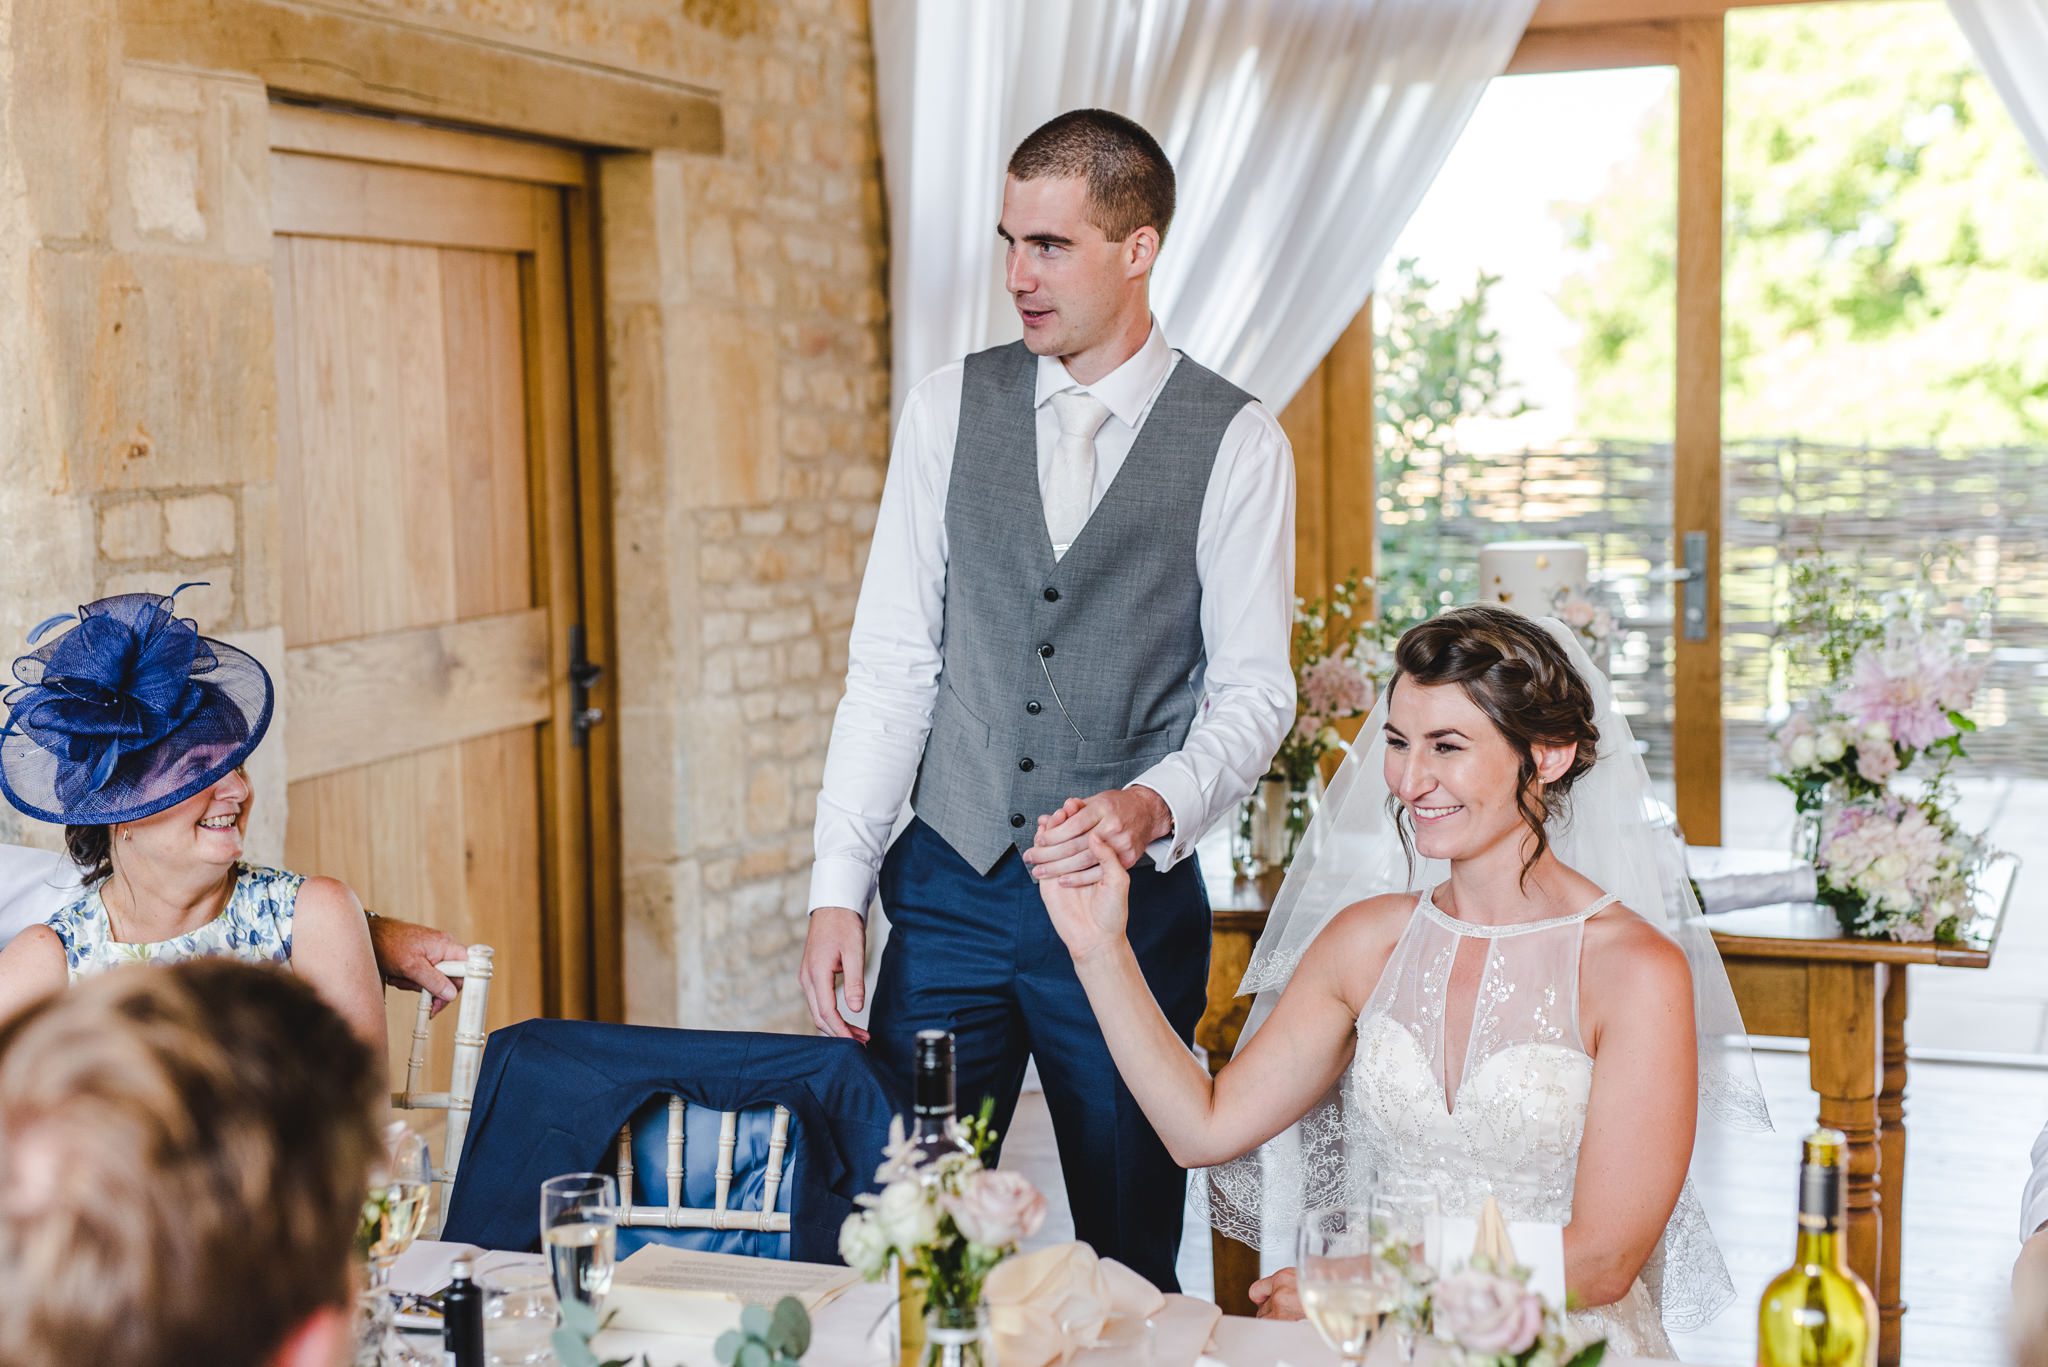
978,956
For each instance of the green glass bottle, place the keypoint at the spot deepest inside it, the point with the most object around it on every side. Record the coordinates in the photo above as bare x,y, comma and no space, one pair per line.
1817,1313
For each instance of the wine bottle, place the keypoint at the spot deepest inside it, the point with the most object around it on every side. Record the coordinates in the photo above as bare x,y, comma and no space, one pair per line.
934,1126
1817,1313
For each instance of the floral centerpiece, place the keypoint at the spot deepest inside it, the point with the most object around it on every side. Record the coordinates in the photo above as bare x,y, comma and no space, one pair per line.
949,1221
1341,661
1591,621
1491,1317
1889,681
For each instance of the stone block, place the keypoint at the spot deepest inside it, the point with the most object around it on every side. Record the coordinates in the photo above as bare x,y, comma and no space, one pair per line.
779,626
163,180
241,131
714,269
262,555
767,800
210,602
200,526
161,371
722,437
132,530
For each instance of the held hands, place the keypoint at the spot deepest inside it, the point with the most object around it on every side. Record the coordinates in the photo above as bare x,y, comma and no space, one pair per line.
1089,909
1127,819
837,944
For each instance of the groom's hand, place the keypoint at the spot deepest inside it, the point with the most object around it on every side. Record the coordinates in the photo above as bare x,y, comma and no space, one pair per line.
836,944
1126,820
1278,1296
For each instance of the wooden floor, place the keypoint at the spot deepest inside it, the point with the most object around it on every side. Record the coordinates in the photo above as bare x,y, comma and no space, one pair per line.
1970,1126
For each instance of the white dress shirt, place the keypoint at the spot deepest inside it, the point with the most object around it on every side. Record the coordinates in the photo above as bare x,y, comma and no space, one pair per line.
2034,1202
1244,557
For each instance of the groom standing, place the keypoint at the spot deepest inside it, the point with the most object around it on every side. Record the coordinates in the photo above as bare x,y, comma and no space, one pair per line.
1075,618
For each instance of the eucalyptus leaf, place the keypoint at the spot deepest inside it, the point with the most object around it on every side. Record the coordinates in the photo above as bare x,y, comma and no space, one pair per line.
728,1345
754,1321
790,1333
572,1349
578,1318
754,1353
1591,1356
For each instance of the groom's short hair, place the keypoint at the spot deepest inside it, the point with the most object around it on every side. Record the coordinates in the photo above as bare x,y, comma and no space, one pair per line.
184,1152
1130,181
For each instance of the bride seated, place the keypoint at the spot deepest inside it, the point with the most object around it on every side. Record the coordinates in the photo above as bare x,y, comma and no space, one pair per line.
1521,1022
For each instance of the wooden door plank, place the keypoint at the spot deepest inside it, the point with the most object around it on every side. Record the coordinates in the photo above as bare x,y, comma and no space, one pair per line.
425,486
465,352
593,482
1696,433
328,197
330,564
550,443
376,462
1598,48
514,485
359,701
500,854
291,458
359,137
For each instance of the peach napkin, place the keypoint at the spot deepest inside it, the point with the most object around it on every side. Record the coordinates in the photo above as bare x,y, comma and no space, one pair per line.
1044,1307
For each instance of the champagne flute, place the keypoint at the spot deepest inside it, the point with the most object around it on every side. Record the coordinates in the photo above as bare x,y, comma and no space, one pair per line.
579,1213
1343,1281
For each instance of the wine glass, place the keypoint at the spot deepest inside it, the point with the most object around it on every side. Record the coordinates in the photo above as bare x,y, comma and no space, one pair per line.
394,1212
519,1316
579,1214
1344,1283
1407,1225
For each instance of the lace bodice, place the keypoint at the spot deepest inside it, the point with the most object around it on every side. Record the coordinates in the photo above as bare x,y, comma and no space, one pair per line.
1490,1105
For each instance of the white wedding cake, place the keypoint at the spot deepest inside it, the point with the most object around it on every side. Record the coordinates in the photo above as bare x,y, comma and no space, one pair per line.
1532,576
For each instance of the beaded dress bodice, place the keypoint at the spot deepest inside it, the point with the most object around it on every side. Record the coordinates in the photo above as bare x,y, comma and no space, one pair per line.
1504,1117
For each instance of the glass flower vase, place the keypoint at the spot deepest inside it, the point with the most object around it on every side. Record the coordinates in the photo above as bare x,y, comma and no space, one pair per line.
1271,823
955,1336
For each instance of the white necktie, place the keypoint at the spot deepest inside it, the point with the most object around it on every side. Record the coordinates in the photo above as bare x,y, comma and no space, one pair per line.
1070,483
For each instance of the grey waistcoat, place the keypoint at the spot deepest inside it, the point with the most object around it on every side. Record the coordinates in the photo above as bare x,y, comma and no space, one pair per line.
1116,623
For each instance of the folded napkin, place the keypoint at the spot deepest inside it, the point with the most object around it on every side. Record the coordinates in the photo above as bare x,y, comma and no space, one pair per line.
1044,1307
1730,879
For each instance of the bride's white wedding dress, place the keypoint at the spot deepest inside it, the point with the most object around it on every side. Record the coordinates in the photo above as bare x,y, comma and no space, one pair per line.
1510,1123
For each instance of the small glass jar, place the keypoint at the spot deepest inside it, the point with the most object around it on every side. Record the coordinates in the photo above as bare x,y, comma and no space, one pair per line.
520,1315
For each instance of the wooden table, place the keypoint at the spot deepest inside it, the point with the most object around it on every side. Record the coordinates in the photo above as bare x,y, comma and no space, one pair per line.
1795,974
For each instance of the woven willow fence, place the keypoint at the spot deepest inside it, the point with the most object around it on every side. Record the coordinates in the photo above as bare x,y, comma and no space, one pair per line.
1884,507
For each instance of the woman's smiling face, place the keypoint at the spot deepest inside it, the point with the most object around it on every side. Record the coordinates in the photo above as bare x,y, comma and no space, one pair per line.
205,829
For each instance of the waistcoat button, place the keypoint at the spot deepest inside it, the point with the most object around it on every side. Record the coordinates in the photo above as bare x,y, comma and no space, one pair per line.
1045,651
1026,765
1016,818
1033,708
1052,595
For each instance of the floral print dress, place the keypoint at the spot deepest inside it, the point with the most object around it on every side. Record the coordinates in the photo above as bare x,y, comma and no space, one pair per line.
256,926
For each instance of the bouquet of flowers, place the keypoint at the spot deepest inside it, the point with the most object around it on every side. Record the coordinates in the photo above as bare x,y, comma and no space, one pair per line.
950,1220
1891,682
1333,681
1589,621
1492,1318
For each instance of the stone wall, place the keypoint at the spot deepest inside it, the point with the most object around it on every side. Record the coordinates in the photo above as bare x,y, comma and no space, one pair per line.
746,332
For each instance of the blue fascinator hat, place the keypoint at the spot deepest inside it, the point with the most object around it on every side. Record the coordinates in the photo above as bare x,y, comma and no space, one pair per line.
127,713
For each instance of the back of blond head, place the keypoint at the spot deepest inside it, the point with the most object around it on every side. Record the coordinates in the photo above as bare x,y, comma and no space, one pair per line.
183,1156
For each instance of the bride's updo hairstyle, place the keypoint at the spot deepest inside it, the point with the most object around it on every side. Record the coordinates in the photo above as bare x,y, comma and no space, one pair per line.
1515,672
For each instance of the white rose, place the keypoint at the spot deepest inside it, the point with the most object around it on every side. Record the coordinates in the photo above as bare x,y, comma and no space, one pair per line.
1879,732
1831,746
907,1220
1800,753
863,1245
1890,868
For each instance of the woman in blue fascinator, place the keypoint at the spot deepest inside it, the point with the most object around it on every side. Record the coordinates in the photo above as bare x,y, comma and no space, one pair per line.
131,730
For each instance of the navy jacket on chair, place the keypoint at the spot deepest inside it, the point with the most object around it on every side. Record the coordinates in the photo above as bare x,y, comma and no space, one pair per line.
553,1093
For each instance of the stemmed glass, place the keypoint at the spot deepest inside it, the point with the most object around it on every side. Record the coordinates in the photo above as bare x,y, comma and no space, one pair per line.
1407,1224
394,1213
1346,1285
579,1215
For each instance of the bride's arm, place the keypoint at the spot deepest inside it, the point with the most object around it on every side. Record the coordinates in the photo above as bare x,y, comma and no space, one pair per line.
1285,1068
1641,1113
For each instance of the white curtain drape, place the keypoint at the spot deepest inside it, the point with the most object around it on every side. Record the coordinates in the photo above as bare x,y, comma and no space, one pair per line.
2010,38
1302,132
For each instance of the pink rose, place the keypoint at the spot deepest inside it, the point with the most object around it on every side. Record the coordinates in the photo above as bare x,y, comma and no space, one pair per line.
1578,614
997,1209
1484,1312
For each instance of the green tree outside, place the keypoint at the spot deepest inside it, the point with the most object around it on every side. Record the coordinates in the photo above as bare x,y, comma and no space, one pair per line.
1886,277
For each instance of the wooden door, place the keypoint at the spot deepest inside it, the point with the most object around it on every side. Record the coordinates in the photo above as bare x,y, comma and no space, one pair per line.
430,558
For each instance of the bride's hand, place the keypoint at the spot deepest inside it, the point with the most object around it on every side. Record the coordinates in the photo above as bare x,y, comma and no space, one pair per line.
1278,1296
1091,910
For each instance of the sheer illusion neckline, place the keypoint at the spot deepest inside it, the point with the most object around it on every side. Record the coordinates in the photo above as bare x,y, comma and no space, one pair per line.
1428,907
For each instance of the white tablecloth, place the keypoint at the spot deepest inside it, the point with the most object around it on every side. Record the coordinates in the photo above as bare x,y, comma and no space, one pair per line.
855,1331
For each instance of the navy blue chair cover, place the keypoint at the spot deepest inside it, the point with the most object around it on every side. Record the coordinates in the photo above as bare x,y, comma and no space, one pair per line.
552,1095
